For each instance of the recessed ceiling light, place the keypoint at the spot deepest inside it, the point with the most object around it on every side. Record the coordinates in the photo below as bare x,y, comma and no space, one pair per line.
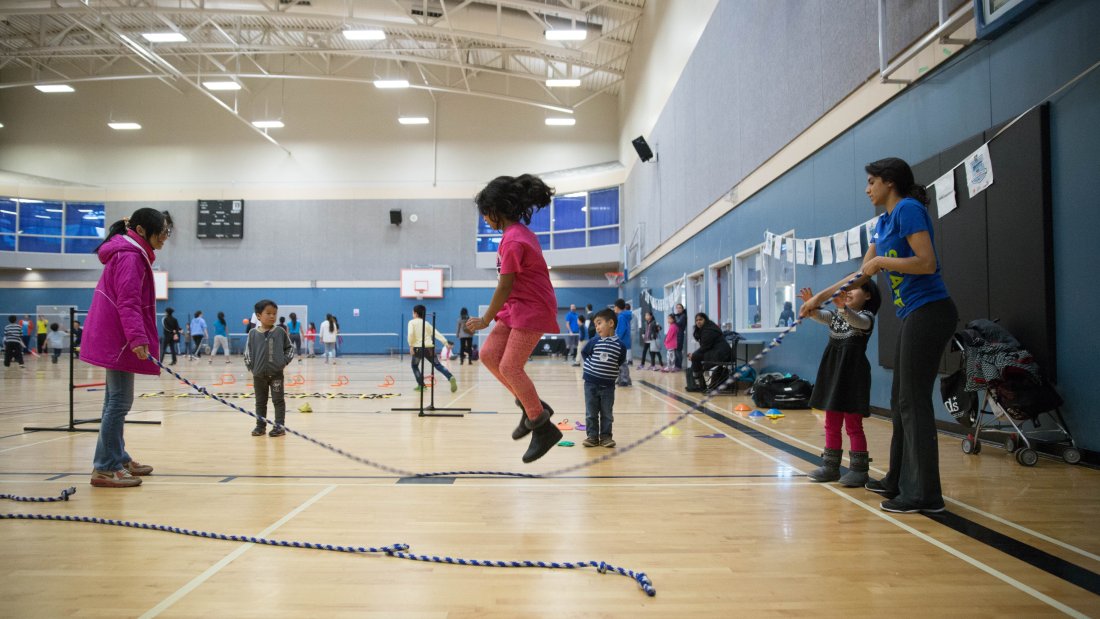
222,85
54,88
566,35
365,35
391,83
413,120
29,269
1,125
163,37
268,124
563,83
561,122
124,126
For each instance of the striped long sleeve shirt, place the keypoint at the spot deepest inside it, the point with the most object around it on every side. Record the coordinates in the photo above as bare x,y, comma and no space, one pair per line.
602,358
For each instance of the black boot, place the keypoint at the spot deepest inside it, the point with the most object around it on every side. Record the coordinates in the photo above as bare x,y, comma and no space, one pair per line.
857,470
544,436
522,429
830,466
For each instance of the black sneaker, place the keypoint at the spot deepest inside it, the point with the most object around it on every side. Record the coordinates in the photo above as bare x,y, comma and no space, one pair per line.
895,506
258,431
591,442
876,486
276,431
607,441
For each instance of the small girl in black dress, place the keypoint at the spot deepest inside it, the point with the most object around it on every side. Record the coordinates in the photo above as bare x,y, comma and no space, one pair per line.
843,387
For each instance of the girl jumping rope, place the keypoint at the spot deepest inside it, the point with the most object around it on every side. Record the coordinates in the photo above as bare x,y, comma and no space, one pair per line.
843,387
524,304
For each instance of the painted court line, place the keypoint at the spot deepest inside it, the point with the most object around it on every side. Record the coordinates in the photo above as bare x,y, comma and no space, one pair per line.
994,517
214,569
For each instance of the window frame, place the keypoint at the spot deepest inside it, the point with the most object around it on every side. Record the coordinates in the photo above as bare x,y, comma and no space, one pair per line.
768,314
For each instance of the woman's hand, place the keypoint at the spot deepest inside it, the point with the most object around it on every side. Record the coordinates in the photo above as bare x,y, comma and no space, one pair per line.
142,352
477,323
841,300
872,266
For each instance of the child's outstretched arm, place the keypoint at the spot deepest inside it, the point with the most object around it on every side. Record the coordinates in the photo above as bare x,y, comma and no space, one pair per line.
503,291
816,314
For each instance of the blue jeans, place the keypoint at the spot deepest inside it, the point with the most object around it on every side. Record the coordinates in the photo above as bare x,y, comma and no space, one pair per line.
110,450
427,354
598,402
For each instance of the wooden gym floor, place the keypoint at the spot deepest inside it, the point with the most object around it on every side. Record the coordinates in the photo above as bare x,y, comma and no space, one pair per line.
716,510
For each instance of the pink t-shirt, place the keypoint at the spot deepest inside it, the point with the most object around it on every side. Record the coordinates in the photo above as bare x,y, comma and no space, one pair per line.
532,304
671,336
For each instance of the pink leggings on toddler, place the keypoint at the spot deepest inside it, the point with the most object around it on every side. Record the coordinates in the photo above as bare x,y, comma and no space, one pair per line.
505,353
852,422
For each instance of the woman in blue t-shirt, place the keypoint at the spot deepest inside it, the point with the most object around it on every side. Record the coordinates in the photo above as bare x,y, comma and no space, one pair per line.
902,247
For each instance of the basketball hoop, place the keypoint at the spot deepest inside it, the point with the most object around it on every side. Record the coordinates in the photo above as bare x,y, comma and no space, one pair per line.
420,290
614,278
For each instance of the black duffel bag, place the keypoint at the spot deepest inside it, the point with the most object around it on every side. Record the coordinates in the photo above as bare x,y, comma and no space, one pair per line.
773,391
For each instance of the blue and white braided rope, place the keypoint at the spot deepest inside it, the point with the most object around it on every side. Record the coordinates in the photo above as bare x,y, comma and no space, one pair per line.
64,496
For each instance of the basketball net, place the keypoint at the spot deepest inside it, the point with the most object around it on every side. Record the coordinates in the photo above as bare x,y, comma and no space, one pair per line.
614,278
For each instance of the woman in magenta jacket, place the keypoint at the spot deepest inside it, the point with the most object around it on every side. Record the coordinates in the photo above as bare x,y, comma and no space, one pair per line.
120,335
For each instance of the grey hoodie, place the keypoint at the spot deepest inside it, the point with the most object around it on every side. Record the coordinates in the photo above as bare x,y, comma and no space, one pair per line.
266,353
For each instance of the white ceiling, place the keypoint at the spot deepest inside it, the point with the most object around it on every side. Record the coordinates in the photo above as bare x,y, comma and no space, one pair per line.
438,45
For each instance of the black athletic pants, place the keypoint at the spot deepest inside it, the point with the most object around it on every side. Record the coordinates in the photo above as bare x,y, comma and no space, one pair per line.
914,452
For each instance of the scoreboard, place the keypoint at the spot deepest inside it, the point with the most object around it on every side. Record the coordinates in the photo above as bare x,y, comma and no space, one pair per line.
221,219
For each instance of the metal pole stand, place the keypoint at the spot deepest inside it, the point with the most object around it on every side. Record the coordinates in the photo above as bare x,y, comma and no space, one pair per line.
72,387
430,409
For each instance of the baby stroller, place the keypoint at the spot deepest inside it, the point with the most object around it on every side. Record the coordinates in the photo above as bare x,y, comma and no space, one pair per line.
1015,394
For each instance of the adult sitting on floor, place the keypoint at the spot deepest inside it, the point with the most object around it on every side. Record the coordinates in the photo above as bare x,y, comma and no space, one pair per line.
713,349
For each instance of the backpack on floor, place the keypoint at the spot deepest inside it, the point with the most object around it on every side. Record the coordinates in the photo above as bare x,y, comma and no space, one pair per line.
773,390
474,354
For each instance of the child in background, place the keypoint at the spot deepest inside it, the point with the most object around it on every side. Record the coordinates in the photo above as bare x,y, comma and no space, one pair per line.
583,335
266,352
843,387
55,341
421,350
672,342
524,304
311,334
650,347
603,356
13,342
622,331
221,338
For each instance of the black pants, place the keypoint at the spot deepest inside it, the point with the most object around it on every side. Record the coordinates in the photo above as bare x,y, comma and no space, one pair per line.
914,451
466,349
13,350
680,357
653,354
275,384
168,344
197,339
41,343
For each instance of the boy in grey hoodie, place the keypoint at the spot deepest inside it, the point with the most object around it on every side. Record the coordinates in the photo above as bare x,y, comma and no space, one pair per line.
267,351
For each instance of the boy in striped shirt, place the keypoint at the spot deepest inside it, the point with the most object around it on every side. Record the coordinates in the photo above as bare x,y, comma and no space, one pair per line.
13,342
603,355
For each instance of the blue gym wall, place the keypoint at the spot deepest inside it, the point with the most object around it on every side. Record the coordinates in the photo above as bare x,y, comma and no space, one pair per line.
988,83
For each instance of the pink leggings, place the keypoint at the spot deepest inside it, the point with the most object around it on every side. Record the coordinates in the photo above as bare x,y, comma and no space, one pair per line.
505,353
852,422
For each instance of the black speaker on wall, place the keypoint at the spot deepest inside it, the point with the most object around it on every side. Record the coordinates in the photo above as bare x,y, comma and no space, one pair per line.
644,151
395,217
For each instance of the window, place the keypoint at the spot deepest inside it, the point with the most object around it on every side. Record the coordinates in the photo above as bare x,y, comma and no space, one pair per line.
575,220
765,287
720,294
28,225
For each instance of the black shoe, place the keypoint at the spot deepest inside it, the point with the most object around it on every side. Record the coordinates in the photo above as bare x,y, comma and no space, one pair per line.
900,507
258,431
876,486
276,431
522,429
544,436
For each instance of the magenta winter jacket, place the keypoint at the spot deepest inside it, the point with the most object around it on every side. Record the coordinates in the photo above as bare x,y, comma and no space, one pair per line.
124,308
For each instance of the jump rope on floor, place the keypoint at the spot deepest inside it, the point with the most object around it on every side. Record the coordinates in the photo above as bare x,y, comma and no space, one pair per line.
398,550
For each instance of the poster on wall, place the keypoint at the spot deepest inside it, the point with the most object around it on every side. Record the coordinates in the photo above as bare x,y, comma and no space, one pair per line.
160,285
979,171
945,193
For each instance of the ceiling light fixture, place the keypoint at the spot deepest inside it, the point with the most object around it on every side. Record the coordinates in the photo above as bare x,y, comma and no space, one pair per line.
221,85
561,122
413,120
268,124
563,83
124,126
164,37
391,83
54,88
566,35
365,35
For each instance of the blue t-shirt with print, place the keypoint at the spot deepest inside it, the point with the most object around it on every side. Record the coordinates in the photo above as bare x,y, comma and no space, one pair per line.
909,291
